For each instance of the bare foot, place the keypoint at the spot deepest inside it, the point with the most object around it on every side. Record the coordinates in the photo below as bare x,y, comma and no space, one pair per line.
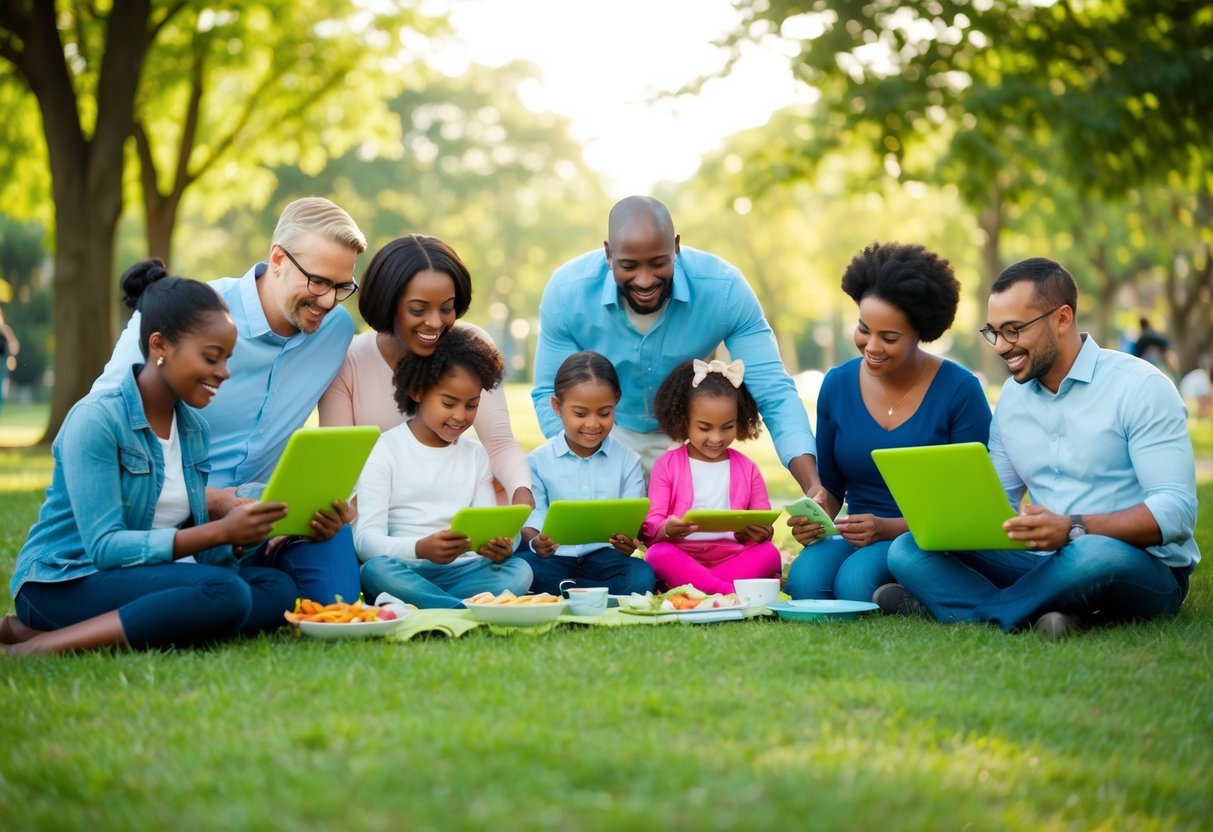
13,631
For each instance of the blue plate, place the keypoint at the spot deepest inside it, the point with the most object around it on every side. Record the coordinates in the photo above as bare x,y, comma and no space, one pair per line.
821,610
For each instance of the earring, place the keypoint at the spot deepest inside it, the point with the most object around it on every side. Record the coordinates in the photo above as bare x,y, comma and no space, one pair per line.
160,361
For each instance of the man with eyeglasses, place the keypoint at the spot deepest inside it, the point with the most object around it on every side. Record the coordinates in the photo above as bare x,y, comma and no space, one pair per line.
292,337
1099,441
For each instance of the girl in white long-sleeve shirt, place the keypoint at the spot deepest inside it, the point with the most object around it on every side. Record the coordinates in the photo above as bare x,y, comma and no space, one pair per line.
422,472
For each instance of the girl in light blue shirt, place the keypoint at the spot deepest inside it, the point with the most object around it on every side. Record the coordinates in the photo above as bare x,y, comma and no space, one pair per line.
122,552
583,462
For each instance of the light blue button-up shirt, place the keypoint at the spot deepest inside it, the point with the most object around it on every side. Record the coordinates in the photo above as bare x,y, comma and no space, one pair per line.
274,387
612,472
1114,435
711,304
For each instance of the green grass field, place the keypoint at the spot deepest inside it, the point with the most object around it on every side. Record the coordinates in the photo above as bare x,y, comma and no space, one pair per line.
883,723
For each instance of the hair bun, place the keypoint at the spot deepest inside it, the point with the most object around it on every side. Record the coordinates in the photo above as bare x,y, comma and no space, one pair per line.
138,277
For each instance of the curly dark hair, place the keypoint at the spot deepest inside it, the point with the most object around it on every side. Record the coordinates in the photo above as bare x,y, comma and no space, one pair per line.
672,403
416,375
918,282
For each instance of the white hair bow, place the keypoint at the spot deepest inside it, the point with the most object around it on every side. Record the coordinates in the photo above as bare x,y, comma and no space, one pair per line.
734,372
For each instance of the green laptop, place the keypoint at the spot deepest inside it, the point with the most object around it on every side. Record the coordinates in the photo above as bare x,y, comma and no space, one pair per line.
482,523
730,519
570,522
949,495
317,466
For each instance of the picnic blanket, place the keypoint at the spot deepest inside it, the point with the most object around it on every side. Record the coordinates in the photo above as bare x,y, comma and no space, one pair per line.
455,623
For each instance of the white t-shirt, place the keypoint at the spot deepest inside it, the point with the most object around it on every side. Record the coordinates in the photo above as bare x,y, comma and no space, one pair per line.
173,505
408,491
711,483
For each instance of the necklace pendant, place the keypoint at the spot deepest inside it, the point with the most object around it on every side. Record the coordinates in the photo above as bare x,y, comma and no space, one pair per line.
890,411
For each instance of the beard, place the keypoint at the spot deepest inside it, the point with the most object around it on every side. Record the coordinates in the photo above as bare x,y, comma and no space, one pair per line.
1041,361
295,316
667,289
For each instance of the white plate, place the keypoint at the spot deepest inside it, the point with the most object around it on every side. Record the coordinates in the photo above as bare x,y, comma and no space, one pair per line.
357,629
702,616
516,615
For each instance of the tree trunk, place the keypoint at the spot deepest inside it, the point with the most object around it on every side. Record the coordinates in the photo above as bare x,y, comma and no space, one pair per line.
990,221
83,301
161,214
86,179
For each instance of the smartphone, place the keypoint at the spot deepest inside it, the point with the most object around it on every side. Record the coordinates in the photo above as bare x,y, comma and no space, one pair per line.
807,507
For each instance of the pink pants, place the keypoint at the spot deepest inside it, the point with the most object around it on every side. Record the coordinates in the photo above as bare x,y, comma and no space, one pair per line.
711,566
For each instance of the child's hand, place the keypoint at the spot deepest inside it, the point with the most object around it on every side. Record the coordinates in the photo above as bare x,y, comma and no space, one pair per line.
543,545
497,549
755,532
805,530
442,547
327,523
677,528
623,544
247,524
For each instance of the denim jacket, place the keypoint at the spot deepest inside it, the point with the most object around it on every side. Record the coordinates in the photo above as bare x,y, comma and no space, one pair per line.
108,474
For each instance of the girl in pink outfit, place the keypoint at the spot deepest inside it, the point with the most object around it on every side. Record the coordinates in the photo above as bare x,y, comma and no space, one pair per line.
706,406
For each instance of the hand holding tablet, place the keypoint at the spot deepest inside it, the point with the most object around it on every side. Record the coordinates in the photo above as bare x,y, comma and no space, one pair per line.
808,507
730,520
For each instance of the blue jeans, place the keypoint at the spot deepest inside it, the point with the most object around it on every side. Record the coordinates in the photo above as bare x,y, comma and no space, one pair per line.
428,585
324,571
620,574
833,569
165,605
1096,578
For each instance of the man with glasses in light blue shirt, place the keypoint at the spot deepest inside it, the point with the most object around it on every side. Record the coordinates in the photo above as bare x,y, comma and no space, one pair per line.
292,337
1099,441
648,305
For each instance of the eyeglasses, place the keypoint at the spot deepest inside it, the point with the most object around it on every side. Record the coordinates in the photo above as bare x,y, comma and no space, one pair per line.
321,286
1010,332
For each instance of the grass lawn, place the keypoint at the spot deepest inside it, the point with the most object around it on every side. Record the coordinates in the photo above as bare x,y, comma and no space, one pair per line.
883,723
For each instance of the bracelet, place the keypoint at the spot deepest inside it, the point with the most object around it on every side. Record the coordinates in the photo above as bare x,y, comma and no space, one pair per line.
530,544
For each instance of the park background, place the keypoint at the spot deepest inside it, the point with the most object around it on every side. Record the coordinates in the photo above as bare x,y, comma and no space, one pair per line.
784,136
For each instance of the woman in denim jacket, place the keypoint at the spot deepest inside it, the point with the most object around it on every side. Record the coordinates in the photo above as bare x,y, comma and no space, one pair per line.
122,553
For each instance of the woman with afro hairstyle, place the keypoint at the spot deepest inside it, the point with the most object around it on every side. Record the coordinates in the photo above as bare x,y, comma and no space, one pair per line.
421,473
894,395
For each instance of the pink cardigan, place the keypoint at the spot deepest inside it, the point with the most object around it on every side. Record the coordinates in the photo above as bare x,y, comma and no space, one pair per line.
671,491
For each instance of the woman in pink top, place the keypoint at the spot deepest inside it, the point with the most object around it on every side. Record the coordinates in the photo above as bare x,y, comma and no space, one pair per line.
413,291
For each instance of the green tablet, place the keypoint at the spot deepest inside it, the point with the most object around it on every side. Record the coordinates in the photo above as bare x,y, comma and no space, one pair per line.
317,466
949,495
482,523
594,521
730,520
808,507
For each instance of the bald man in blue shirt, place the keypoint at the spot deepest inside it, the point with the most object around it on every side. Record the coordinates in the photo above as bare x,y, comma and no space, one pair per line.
647,303
1099,440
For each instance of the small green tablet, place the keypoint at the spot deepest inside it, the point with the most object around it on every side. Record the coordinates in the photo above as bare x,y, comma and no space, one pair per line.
808,507
730,520
317,466
482,523
569,522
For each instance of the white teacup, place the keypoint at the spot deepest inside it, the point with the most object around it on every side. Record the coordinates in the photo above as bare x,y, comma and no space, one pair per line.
757,592
587,600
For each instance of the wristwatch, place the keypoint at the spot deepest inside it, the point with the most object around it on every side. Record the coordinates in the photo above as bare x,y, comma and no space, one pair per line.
1077,527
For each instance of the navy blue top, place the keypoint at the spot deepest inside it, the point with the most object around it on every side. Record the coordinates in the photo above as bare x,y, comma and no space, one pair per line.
954,409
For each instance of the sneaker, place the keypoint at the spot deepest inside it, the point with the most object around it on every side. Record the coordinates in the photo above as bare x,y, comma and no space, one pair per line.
1054,626
895,599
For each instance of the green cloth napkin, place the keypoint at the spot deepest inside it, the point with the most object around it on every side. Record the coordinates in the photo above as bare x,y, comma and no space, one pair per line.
455,623
449,623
